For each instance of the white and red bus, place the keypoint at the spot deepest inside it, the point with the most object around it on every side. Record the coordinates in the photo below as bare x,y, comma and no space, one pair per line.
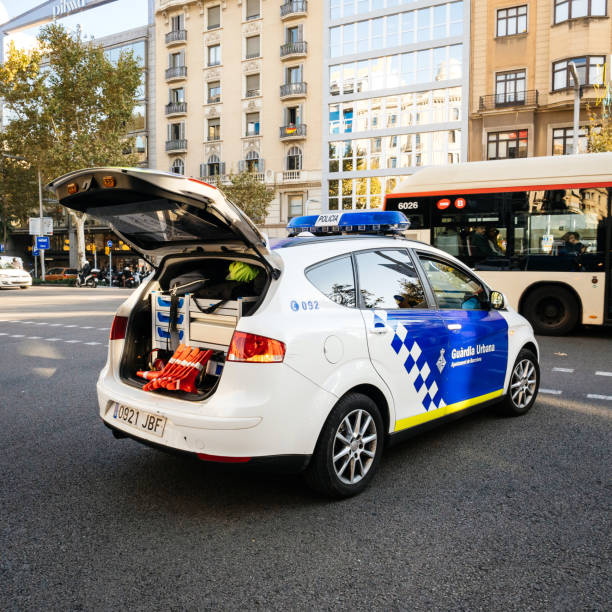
538,229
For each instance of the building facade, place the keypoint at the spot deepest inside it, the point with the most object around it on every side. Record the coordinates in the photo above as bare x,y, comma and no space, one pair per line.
239,89
522,92
395,95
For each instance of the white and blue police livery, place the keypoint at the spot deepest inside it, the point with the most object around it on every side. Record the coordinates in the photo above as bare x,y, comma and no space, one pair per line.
348,338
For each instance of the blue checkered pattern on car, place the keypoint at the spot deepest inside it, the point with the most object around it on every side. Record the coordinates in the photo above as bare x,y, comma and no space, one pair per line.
421,375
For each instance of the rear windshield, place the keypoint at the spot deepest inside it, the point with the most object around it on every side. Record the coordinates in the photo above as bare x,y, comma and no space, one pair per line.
152,223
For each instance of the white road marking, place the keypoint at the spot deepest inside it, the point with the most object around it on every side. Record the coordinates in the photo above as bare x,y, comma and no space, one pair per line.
3,334
551,391
52,339
34,337
42,324
87,327
599,397
16,335
569,370
55,325
92,343
103,328
600,373
71,341
70,325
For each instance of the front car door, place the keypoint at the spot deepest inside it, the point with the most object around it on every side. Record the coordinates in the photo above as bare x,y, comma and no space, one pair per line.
406,335
477,353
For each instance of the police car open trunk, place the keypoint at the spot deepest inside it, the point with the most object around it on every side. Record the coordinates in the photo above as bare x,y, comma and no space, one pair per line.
192,299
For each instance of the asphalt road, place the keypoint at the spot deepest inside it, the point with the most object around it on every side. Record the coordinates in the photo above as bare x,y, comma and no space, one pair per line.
486,513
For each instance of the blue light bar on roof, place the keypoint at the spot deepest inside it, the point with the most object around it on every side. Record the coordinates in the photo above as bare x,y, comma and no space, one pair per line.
367,222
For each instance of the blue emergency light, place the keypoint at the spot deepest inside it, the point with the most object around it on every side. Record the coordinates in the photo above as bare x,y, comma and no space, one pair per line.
366,222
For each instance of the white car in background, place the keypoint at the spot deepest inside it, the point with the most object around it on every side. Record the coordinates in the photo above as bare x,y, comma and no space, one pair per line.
12,274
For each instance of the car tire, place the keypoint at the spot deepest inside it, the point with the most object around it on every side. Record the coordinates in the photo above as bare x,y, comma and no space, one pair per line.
523,386
349,448
551,310
91,284
23,287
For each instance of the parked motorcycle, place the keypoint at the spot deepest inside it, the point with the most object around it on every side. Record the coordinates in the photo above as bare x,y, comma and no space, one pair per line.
91,280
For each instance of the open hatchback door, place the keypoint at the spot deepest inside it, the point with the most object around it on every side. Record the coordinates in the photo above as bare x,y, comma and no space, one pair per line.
159,213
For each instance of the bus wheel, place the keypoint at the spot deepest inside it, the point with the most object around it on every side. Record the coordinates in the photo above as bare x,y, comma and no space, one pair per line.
551,310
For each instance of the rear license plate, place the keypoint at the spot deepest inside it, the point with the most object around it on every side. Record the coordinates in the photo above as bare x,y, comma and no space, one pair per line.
139,419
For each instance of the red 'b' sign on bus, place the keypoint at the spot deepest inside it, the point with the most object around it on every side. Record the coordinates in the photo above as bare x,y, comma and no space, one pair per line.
443,203
460,203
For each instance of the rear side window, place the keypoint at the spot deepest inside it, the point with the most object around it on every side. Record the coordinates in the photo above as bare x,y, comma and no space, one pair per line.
335,280
389,280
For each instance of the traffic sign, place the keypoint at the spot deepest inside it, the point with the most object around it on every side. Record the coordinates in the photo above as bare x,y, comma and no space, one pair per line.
35,252
42,242
38,229
1,248
109,244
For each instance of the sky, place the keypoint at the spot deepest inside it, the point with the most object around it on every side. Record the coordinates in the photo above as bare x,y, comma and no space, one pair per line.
109,19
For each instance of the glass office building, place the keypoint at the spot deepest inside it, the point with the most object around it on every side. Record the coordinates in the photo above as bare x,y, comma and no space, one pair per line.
396,94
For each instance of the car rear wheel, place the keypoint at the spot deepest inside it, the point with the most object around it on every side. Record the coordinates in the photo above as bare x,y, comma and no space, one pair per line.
552,311
524,385
349,448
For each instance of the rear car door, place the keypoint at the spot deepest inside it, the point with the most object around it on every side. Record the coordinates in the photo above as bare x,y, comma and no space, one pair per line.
477,352
406,336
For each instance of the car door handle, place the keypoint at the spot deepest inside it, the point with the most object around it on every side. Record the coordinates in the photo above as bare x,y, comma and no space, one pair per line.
378,330
454,326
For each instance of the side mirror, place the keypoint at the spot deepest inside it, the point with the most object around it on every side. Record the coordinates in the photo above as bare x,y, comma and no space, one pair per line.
497,300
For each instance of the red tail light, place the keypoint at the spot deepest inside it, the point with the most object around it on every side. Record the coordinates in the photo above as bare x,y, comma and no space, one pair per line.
118,328
257,349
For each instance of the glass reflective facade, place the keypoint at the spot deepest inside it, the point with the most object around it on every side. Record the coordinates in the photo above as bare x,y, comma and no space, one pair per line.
395,96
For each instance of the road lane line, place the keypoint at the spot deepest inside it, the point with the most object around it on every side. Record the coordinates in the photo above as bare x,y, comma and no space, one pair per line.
55,324
551,391
92,343
569,370
600,373
16,335
87,327
4,334
34,337
70,325
71,341
599,397
52,339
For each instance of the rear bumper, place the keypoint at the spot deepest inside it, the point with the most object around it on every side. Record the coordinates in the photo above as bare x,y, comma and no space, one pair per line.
278,464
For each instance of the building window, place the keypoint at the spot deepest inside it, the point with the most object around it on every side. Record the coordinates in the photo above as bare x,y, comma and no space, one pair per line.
294,158
563,140
512,20
214,55
293,34
139,115
510,87
252,124
214,17
176,60
177,96
252,85
178,166
507,145
295,206
214,92
178,22
214,129
573,9
590,71
252,163
214,166
176,131
252,47
293,74
252,9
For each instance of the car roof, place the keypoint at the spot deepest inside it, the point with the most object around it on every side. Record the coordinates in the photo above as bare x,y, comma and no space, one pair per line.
298,241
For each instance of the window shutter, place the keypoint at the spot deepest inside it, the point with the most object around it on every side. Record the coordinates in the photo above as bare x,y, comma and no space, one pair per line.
260,165
241,165
203,170
222,168
300,36
300,116
181,58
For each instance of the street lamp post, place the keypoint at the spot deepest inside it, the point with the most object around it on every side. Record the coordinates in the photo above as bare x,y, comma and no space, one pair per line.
577,96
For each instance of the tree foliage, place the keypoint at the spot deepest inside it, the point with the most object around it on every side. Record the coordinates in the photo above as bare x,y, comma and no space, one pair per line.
249,194
68,107
600,130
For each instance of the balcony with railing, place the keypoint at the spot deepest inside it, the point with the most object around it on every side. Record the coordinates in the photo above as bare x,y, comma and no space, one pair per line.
293,8
293,132
252,93
176,108
292,175
293,90
175,37
178,145
214,99
176,72
294,49
508,100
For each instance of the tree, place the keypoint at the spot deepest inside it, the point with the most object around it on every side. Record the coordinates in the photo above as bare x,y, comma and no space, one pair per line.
249,194
68,107
600,130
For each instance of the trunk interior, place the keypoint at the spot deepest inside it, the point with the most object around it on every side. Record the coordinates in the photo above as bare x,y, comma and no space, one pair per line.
203,314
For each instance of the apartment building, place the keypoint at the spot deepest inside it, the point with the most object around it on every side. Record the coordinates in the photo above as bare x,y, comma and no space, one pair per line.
522,90
242,80
395,96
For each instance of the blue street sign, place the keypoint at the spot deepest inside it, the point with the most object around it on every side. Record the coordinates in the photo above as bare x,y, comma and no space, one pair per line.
109,244
1,248
42,242
35,252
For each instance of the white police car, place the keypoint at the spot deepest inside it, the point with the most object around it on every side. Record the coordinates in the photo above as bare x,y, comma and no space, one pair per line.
327,348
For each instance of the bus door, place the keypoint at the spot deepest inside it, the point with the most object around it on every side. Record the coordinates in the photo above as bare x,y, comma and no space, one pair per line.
473,367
